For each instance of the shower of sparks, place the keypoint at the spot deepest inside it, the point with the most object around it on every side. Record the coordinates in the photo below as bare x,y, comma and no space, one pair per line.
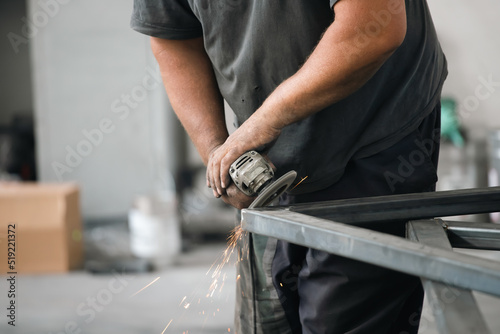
232,241
167,325
299,182
215,272
157,278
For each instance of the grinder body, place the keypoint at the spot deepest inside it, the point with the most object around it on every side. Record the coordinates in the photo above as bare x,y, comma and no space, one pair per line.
251,173
254,175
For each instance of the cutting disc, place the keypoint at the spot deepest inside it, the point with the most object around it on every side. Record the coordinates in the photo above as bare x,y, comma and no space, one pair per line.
274,190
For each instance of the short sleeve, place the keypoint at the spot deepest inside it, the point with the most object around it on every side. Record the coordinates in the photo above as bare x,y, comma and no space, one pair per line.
169,19
333,2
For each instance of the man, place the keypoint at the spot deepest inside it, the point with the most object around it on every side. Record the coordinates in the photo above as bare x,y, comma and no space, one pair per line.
344,92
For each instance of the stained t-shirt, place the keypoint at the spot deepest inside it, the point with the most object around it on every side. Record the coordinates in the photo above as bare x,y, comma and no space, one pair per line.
254,45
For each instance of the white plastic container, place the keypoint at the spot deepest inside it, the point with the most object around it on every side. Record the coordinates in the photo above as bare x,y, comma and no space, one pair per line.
154,229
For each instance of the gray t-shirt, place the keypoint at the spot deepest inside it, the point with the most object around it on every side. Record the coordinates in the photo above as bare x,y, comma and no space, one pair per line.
254,45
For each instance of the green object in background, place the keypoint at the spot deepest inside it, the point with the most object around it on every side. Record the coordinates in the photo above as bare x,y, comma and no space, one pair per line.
450,127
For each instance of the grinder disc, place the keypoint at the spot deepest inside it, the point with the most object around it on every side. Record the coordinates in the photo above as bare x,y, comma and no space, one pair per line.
274,190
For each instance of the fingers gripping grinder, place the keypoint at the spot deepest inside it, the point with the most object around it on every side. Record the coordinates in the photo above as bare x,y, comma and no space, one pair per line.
253,175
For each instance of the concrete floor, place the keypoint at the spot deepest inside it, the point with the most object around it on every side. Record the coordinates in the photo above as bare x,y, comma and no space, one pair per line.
80,302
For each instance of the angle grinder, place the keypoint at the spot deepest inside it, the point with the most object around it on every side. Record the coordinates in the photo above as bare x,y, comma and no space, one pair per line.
253,175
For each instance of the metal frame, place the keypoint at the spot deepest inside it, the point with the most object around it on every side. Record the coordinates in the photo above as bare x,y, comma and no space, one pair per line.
454,309
428,252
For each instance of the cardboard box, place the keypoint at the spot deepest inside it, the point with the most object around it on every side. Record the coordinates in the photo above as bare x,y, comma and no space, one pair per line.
40,228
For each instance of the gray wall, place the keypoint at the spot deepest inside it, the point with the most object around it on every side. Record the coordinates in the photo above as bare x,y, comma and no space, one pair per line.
15,80
469,34
101,112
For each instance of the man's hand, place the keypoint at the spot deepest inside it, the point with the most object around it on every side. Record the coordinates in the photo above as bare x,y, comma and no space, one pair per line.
252,134
234,197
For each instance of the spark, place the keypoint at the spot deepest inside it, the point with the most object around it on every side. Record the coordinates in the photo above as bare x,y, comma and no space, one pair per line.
299,182
167,326
232,241
213,264
217,273
157,278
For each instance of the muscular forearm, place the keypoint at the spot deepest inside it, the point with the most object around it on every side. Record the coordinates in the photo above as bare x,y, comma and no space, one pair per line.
338,66
192,90
347,56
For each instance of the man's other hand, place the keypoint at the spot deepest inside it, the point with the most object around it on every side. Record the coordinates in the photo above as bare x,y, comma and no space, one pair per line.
234,197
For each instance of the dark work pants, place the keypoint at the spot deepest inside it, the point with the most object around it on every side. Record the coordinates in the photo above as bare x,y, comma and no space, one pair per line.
325,293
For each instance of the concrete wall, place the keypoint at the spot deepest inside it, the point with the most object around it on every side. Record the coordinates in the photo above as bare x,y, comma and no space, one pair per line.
101,111
15,82
469,34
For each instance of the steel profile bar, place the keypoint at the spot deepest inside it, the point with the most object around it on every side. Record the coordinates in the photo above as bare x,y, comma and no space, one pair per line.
405,207
485,236
377,248
455,310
